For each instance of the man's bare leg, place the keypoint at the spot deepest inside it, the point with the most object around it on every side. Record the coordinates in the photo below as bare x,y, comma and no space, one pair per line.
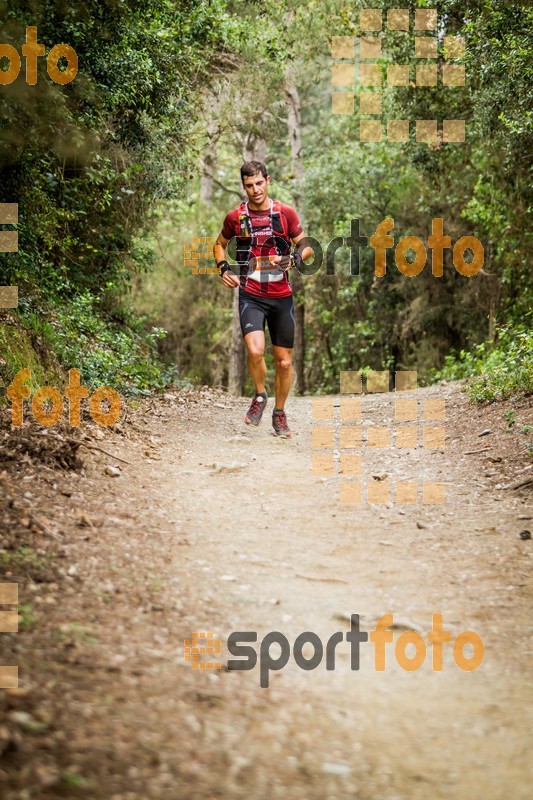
283,380
255,345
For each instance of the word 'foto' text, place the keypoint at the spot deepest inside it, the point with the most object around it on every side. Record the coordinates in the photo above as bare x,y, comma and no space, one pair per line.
31,51
47,402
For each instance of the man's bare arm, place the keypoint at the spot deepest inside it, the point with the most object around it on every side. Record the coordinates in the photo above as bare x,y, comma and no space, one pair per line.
304,250
301,252
219,248
219,251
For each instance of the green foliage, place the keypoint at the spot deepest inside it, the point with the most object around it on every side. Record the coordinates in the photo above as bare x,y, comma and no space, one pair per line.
72,780
26,616
195,309
510,417
478,188
105,171
121,354
19,349
495,370
86,163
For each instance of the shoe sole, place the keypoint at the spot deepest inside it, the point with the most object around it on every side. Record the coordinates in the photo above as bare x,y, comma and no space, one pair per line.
251,422
281,435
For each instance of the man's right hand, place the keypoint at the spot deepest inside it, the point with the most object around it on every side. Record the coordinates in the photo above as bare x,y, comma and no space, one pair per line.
230,280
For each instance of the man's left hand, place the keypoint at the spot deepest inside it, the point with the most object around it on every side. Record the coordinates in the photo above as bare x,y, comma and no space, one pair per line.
283,263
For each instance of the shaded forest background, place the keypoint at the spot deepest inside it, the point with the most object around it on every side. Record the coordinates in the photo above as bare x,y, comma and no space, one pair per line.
117,171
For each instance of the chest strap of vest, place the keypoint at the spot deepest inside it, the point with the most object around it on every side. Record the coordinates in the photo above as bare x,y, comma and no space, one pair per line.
276,218
246,238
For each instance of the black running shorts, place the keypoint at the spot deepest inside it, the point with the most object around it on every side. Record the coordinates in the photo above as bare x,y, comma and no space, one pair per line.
277,312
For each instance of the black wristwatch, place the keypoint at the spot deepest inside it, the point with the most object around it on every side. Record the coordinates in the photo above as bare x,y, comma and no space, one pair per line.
297,261
223,267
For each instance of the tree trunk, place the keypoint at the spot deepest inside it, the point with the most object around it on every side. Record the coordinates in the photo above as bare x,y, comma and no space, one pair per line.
494,291
209,154
294,124
254,148
299,332
237,353
213,109
207,174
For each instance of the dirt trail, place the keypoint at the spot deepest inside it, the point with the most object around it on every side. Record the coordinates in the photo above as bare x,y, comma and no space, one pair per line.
260,543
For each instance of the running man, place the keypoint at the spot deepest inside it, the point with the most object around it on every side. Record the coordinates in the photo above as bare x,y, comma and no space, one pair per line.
264,230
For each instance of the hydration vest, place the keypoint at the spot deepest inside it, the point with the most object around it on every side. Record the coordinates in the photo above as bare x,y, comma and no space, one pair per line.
247,239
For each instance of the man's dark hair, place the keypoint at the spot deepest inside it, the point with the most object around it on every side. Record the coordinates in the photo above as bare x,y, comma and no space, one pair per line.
251,168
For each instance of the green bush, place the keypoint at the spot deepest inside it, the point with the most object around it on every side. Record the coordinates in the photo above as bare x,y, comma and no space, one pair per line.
495,370
122,353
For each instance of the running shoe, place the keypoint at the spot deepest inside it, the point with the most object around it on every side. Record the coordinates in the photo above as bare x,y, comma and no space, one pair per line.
255,412
279,423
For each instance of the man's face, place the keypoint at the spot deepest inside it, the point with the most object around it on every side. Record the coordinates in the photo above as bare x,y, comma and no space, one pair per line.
256,187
